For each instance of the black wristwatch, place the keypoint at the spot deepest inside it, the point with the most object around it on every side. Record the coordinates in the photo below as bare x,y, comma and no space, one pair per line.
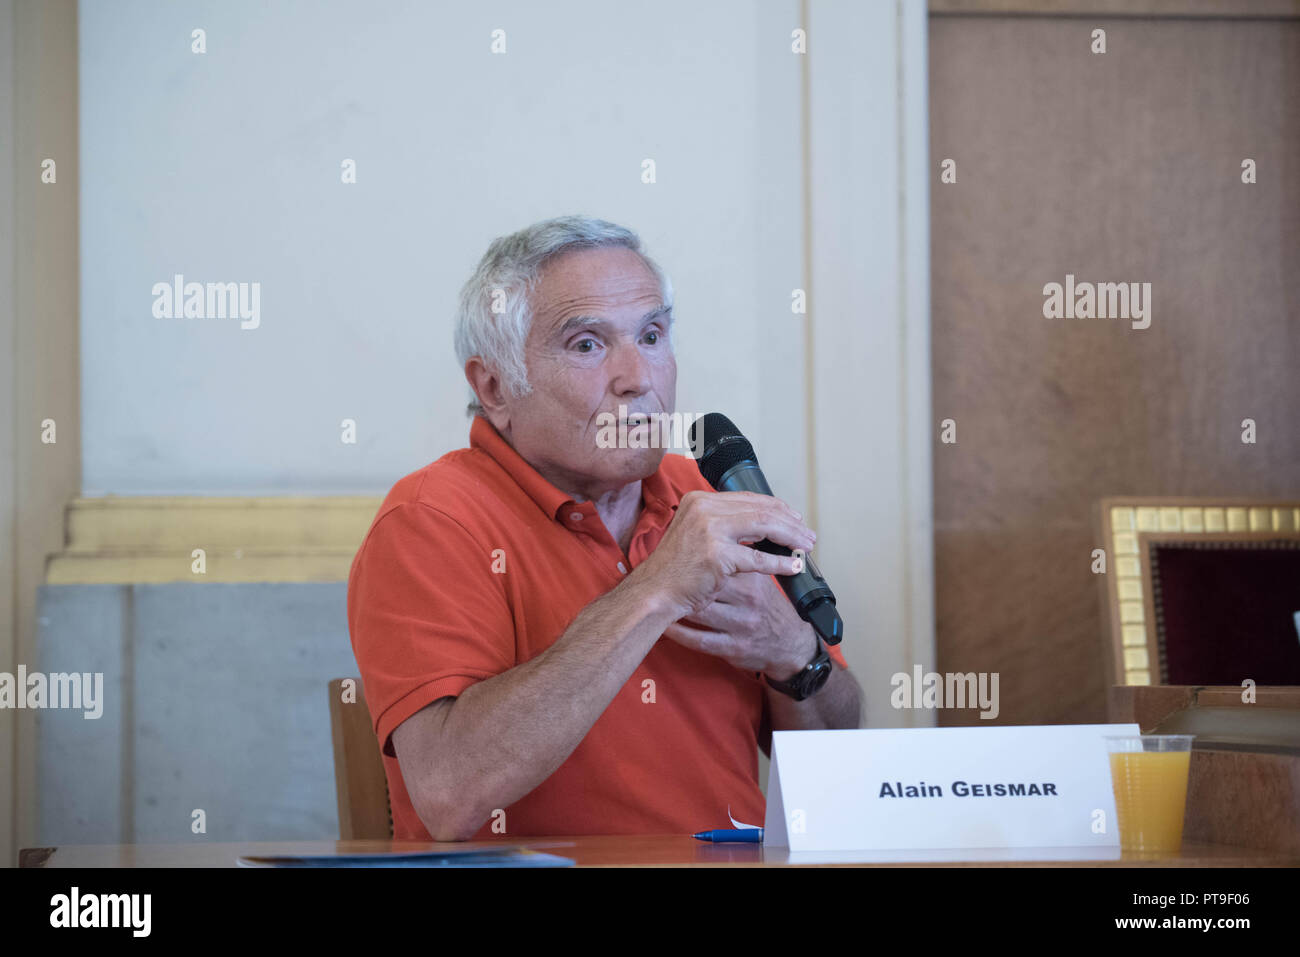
807,682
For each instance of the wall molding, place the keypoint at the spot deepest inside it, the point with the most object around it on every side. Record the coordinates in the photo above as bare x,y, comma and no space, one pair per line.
151,540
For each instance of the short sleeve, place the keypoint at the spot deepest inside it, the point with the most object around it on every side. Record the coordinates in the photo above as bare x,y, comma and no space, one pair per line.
427,615
837,656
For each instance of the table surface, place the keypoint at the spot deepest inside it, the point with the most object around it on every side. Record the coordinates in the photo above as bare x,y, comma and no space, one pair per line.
653,850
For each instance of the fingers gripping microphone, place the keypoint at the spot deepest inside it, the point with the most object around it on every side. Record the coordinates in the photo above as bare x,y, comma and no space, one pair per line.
728,463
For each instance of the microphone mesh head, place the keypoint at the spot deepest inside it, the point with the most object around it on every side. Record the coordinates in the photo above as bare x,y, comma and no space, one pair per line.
720,445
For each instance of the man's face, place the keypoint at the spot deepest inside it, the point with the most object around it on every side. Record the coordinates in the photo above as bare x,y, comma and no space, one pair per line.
599,339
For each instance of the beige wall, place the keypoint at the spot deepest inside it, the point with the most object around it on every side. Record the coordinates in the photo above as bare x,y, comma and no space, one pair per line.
1117,166
868,386
858,377
40,375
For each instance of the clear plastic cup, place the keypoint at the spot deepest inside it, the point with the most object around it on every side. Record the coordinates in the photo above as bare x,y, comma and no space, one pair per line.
1149,775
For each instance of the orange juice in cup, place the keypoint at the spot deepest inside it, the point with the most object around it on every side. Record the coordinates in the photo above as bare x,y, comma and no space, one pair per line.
1149,775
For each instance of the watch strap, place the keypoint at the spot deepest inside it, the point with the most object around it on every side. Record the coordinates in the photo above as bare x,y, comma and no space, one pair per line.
809,679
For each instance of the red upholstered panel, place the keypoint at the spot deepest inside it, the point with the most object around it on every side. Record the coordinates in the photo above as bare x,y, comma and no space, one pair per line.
1225,611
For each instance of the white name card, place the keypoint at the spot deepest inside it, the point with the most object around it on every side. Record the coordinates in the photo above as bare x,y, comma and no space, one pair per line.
914,788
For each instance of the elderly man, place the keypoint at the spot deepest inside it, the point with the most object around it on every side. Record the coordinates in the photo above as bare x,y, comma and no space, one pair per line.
558,637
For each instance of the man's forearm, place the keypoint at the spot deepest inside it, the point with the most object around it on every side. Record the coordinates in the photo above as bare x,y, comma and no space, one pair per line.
505,735
836,705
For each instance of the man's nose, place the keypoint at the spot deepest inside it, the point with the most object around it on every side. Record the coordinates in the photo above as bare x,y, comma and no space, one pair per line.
631,370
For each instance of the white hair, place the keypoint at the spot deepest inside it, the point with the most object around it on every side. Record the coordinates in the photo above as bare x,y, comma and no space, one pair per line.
506,277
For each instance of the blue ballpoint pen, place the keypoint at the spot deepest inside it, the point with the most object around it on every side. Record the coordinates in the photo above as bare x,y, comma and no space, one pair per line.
726,835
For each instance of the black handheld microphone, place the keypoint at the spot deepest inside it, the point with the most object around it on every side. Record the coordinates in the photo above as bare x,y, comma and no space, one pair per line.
728,463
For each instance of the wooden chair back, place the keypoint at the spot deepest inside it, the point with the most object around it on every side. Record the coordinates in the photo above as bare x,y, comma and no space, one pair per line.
359,780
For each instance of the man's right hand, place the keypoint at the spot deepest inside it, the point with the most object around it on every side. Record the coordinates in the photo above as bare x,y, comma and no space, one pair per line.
705,545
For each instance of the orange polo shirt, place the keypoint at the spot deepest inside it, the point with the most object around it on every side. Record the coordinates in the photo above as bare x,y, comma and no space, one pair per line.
475,564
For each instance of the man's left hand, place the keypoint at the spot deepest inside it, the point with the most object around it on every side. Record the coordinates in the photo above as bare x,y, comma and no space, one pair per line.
752,625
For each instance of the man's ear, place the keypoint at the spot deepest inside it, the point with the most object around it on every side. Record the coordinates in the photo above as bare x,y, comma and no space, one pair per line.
491,395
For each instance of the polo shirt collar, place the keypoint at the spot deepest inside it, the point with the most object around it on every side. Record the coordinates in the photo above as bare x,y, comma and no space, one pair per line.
655,490
483,435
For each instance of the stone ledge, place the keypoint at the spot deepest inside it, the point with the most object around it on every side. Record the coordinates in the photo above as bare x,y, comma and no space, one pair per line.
151,540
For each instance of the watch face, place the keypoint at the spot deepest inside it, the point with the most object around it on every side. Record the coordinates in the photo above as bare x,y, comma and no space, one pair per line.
811,680
818,677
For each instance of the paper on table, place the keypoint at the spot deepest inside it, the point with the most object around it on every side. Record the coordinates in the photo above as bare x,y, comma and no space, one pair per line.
506,856
738,824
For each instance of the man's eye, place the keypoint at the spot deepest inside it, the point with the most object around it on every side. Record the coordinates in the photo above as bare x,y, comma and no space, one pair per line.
582,342
652,337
